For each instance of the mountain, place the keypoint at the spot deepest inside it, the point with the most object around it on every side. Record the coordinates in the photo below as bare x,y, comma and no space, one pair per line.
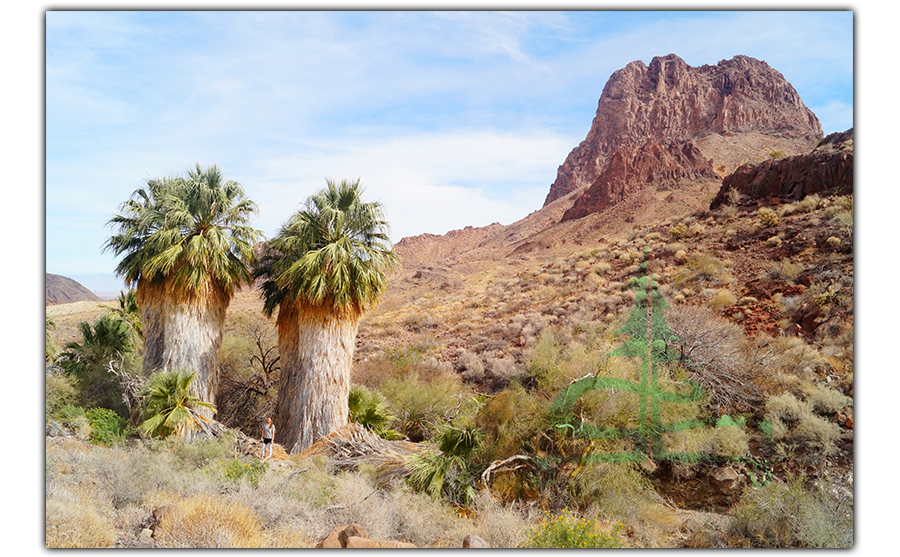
663,126
63,290
664,136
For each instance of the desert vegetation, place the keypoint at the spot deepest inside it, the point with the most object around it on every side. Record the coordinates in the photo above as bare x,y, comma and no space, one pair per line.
751,338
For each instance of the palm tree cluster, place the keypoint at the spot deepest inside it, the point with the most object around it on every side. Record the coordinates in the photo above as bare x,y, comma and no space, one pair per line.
186,246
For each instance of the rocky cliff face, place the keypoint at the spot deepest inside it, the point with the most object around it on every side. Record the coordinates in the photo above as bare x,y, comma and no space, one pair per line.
827,170
649,119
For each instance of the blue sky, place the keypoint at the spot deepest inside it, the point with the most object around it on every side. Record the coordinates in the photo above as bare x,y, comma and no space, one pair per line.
449,118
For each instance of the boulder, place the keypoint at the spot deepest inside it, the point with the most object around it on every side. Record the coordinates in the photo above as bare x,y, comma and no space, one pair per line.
726,479
474,541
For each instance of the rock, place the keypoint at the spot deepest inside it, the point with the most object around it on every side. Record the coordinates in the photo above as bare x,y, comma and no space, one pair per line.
354,542
339,536
146,536
827,170
474,541
352,530
652,120
54,429
161,513
726,479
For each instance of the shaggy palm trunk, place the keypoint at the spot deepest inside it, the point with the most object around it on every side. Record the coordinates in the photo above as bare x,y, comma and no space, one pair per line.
316,348
184,331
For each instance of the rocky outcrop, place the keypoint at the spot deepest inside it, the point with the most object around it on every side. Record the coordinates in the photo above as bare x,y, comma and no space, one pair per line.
649,118
827,170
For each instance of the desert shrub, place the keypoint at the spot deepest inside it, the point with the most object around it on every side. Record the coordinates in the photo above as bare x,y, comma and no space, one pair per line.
78,518
419,407
678,231
788,515
796,429
729,439
631,255
785,270
501,526
807,204
767,217
826,400
702,270
235,470
567,531
210,521
718,355
195,453
833,242
60,390
74,418
248,374
107,427
723,298
733,196
512,421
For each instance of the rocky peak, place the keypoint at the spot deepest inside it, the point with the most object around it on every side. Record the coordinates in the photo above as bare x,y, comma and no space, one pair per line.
649,119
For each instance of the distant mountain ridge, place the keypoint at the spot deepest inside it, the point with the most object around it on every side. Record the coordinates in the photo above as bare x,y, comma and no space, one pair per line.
63,290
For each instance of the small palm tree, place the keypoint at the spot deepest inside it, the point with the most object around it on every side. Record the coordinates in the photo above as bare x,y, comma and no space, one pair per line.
321,271
186,246
128,310
170,408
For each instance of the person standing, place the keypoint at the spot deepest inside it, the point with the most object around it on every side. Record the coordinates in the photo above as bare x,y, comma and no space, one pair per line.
268,436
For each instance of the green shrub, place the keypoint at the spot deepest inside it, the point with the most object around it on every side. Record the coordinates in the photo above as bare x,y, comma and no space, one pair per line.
565,531
234,470
61,389
107,427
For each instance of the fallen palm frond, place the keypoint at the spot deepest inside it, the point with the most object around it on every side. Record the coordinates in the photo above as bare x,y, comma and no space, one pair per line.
353,445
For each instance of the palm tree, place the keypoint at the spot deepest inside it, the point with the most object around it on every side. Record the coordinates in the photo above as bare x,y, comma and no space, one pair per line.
105,343
170,408
186,247
321,271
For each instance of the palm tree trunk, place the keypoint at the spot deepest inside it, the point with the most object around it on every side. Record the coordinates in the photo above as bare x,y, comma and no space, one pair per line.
316,348
184,332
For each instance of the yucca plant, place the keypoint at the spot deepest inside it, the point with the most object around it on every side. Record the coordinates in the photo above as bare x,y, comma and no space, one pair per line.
322,269
186,246
170,408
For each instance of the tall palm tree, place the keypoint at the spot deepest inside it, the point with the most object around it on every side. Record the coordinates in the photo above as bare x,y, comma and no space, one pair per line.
321,271
186,247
